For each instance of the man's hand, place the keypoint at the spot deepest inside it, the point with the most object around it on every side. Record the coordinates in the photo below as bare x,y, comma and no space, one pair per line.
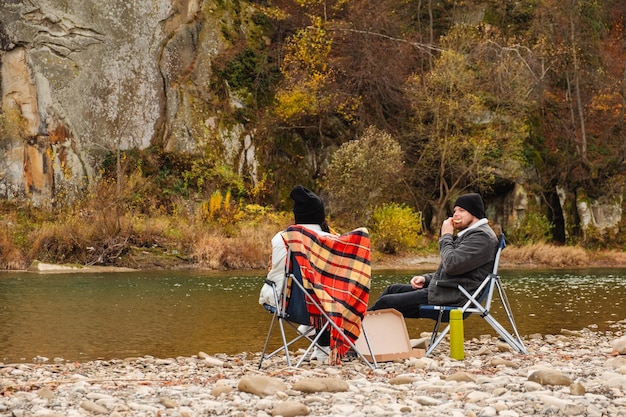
418,281
447,226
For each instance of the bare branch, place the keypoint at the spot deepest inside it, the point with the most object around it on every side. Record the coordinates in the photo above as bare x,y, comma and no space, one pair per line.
421,46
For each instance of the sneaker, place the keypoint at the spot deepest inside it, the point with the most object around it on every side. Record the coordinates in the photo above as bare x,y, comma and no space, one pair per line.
306,330
320,355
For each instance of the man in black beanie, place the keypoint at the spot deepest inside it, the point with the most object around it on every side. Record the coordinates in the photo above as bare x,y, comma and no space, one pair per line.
472,203
308,211
467,257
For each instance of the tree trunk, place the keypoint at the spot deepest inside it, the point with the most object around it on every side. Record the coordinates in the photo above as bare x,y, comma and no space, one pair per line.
579,104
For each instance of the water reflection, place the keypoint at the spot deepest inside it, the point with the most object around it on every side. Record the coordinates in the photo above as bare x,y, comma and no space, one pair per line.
166,314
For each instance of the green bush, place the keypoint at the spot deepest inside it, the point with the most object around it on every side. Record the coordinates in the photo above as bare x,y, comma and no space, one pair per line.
395,228
363,174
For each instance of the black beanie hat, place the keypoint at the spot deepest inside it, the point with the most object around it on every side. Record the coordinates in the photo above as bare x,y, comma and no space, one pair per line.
308,208
473,203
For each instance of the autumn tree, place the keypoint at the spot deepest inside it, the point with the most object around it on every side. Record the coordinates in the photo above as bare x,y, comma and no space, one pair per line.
567,36
470,116
375,49
305,93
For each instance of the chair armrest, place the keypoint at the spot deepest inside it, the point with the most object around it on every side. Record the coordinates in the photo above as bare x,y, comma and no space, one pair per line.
447,284
269,308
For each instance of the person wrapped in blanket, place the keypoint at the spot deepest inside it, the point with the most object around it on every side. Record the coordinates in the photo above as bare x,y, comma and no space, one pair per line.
467,248
309,212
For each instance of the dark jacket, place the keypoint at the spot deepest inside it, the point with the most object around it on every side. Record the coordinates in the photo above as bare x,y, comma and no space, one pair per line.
465,260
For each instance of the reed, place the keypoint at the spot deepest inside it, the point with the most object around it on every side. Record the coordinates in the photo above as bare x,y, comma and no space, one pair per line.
11,257
105,231
541,254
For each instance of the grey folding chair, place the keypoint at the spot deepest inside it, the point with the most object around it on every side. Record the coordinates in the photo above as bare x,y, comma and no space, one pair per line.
291,310
478,302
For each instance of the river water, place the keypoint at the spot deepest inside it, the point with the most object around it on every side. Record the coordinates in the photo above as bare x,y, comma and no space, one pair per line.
166,314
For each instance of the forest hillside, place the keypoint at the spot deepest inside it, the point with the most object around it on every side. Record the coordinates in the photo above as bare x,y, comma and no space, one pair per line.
168,134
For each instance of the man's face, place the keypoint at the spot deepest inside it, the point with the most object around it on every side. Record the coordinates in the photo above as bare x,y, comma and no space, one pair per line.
461,219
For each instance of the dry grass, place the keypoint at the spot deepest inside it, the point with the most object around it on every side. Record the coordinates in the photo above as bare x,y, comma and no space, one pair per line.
11,257
81,239
541,254
101,231
610,257
248,249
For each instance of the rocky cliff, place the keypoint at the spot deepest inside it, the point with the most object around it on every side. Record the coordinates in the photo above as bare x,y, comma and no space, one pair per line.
83,78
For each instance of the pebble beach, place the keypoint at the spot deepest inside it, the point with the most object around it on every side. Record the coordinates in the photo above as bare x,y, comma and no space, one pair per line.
576,372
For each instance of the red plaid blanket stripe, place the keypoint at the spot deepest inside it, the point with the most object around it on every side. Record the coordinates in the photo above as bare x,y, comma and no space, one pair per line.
336,271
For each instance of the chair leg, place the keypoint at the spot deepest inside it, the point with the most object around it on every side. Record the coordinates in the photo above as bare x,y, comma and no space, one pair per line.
515,342
350,343
369,346
438,340
517,346
312,344
267,340
285,345
434,340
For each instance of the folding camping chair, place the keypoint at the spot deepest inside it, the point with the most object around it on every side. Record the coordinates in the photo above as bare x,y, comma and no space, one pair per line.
478,302
291,308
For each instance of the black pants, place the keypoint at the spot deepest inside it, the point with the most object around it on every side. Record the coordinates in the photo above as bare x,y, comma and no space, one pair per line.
404,298
324,339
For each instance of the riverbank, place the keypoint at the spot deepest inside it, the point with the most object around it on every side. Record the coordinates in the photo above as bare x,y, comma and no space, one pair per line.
577,372
538,256
532,256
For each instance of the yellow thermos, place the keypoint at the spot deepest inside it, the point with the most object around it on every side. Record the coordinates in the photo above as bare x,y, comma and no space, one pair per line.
457,349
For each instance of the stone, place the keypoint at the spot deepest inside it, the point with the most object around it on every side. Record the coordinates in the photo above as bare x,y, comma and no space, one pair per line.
617,382
401,380
45,393
616,362
483,351
421,363
550,377
261,385
478,397
563,406
620,345
428,401
499,361
93,407
577,389
503,346
461,377
221,389
421,343
290,409
488,412
320,385
212,361
168,402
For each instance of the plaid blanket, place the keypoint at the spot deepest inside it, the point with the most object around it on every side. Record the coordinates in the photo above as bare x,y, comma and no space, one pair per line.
336,271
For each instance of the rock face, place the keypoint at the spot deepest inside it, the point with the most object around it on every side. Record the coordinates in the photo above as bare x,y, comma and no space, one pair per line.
83,78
